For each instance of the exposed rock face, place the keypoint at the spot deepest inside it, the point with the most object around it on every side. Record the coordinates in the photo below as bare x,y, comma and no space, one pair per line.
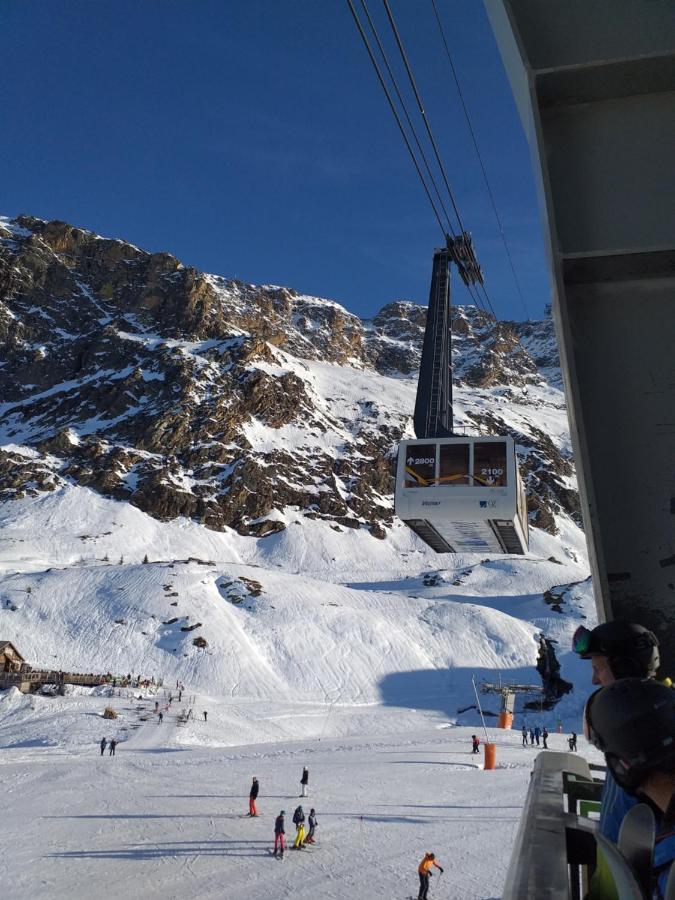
190,395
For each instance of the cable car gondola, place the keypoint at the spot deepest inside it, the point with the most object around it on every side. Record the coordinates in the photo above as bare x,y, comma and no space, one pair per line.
463,494
459,494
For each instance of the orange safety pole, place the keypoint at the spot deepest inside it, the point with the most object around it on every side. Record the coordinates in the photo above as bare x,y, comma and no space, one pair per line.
505,719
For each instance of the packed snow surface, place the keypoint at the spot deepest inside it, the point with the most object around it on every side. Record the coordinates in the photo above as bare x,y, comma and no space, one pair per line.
166,816
335,650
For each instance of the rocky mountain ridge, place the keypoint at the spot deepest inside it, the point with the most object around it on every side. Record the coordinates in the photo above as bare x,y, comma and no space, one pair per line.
187,394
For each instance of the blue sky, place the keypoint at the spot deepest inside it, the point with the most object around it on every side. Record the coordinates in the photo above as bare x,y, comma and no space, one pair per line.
251,139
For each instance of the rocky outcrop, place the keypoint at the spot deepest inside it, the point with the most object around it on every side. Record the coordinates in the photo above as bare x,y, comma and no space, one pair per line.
191,395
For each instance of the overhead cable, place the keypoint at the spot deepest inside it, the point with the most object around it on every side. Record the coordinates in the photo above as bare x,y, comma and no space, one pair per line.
407,116
421,109
366,43
480,159
487,298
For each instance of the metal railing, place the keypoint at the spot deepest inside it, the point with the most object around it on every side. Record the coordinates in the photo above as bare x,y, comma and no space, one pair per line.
555,845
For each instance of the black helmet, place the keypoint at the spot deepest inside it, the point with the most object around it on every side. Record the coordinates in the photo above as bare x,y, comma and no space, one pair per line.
632,651
633,722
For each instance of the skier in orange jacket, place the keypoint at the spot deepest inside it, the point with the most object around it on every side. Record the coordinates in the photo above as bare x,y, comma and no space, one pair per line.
425,873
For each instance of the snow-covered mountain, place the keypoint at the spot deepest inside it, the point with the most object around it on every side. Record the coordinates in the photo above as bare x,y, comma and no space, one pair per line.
242,439
186,394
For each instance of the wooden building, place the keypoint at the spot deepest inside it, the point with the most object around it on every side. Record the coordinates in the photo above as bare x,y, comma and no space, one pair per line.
10,658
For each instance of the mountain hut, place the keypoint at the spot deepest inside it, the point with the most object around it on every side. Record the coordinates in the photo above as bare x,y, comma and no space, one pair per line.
10,658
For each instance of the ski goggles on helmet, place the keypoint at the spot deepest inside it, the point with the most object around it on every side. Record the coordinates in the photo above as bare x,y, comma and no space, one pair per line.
581,639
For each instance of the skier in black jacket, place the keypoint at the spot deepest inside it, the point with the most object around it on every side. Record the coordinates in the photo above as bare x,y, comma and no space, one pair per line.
299,822
252,796
280,834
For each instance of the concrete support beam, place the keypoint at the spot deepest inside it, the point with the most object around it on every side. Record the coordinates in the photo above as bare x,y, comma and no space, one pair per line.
595,86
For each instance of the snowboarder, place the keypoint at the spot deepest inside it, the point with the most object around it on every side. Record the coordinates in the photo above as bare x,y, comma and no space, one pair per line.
160,717
311,821
544,737
424,871
475,741
279,834
113,744
537,733
205,715
304,781
299,822
524,736
103,745
252,796
572,741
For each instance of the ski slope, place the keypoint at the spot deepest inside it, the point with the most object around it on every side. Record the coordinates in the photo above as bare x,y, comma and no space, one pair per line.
165,818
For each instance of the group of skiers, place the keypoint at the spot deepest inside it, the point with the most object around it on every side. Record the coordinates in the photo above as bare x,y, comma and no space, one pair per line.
535,735
302,838
111,744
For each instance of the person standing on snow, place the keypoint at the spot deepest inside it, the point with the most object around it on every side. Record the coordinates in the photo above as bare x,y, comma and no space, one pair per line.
252,797
103,745
299,822
160,717
531,737
544,737
524,732
280,834
113,744
304,781
537,733
475,742
572,741
424,871
311,821
205,715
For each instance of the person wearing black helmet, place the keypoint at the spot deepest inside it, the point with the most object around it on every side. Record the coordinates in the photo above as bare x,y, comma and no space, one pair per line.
617,650
633,722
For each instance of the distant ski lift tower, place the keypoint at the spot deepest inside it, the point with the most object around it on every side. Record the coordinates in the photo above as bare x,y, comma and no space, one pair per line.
458,494
508,694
